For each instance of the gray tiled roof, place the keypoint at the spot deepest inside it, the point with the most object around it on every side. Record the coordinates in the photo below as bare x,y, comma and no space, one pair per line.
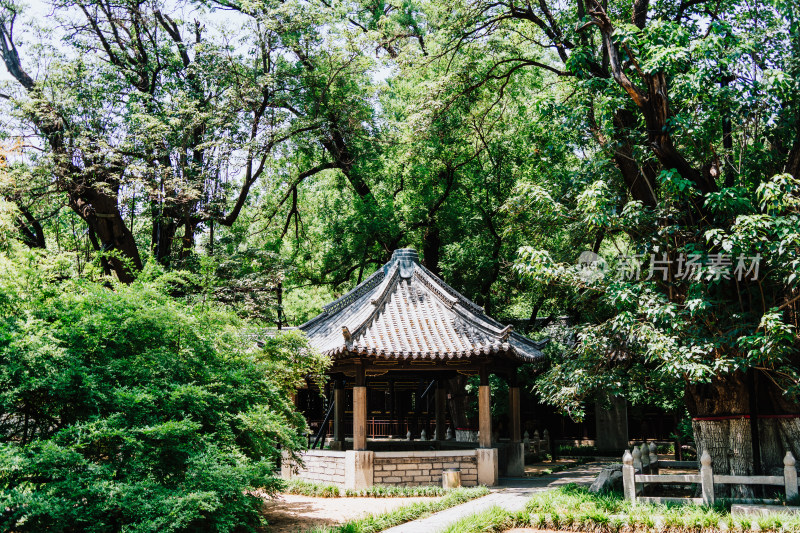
405,311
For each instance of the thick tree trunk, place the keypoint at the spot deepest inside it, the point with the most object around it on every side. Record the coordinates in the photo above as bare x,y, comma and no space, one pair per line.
458,403
187,241
431,245
101,213
721,419
721,427
163,233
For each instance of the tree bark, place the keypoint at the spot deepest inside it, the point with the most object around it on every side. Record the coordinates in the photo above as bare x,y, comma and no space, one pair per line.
431,247
721,427
721,413
458,403
101,212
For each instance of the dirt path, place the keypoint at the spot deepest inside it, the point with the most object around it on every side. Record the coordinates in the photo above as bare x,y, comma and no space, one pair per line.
290,513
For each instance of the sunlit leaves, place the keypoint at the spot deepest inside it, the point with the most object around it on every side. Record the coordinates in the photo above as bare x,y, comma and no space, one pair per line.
128,408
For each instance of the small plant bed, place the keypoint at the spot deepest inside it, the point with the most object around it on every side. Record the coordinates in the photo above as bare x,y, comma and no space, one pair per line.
379,522
573,508
321,490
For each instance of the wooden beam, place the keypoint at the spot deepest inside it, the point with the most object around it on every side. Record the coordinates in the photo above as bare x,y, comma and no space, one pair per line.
378,367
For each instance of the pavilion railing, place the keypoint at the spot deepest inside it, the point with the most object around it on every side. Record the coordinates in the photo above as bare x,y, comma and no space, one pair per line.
378,427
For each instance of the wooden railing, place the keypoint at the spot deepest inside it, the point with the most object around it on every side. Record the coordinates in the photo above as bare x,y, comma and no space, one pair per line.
377,427
644,459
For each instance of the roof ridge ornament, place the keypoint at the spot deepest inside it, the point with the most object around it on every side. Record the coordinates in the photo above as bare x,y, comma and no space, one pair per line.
407,259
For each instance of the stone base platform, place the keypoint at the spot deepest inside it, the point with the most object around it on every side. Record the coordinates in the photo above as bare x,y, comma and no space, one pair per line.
362,469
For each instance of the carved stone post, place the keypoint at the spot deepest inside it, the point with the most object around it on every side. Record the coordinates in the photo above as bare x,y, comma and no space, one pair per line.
653,458
637,459
790,476
628,477
645,457
707,478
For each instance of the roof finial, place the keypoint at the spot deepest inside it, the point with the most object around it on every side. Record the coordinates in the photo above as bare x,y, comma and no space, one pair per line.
406,258
346,333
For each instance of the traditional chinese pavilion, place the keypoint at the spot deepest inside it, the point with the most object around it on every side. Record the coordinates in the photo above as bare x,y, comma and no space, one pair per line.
403,322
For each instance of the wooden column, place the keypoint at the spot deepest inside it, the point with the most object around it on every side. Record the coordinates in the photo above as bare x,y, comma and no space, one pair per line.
360,411
395,423
515,453
338,413
441,403
514,413
484,410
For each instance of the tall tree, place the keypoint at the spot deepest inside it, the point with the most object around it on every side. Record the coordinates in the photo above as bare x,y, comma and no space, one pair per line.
178,111
665,92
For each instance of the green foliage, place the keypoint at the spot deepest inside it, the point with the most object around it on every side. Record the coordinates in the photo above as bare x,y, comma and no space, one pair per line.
123,408
573,508
494,520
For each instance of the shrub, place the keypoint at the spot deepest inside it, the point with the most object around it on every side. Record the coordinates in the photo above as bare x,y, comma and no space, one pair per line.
123,408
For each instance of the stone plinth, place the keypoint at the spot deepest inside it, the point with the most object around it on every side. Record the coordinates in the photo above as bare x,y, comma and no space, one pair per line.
358,469
487,466
516,460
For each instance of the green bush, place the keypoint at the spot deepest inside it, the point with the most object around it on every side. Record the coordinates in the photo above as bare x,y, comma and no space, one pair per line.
122,408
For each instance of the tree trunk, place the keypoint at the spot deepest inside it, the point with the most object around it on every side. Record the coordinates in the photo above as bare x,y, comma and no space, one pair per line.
101,212
163,234
458,403
431,246
721,419
721,427
187,241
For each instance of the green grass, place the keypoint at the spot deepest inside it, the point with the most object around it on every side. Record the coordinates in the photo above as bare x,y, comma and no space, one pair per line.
379,522
492,520
573,508
320,490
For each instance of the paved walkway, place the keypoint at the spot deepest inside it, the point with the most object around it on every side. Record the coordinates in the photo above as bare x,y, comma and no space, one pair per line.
512,494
